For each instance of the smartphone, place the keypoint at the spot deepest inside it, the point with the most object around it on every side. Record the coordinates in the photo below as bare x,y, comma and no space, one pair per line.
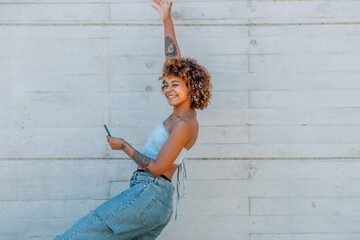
107,130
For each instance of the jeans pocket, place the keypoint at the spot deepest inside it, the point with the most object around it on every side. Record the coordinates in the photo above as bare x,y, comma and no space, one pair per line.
154,214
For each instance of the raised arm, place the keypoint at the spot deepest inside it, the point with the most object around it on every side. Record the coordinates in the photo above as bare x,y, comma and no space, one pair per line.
164,9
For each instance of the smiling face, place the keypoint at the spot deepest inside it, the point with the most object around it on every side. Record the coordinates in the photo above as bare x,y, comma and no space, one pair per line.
176,91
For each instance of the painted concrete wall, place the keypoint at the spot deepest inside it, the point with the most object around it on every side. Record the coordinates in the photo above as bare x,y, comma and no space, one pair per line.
278,153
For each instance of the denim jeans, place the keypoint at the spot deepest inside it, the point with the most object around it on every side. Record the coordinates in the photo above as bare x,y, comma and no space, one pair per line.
140,212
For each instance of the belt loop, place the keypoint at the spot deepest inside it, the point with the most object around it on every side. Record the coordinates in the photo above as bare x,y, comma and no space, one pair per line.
156,180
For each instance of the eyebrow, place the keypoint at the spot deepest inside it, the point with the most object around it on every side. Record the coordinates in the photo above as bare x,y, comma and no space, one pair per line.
172,81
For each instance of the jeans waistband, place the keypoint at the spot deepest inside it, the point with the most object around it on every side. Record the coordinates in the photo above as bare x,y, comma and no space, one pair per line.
163,176
140,175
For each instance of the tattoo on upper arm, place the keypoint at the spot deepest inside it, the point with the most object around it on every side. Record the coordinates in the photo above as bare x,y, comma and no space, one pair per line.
142,160
170,47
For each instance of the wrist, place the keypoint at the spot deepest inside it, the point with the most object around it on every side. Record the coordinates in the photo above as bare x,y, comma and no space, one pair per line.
167,20
122,144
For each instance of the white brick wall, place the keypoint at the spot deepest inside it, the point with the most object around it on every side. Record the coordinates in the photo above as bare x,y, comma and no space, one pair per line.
278,152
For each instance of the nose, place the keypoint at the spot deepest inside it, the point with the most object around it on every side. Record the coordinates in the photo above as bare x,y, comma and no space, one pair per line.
168,89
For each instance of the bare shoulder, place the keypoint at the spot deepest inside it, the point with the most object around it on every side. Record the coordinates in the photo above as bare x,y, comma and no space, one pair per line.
189,129
187,124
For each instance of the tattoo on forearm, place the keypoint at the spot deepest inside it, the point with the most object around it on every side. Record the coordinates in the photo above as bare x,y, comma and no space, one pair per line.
142,160
170,47
123,146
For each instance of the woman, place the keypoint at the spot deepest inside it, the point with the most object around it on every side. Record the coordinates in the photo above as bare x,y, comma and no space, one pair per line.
143,210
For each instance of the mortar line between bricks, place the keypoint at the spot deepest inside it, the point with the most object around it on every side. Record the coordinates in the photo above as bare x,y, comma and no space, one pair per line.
178,24
195,158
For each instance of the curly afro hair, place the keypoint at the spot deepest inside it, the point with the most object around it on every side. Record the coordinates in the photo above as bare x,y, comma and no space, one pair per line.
196,77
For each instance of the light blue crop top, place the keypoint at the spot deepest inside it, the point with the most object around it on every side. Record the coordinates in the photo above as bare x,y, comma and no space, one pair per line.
152,147
156,141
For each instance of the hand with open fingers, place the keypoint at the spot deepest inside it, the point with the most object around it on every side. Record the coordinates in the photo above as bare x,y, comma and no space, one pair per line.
116,143
164,8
